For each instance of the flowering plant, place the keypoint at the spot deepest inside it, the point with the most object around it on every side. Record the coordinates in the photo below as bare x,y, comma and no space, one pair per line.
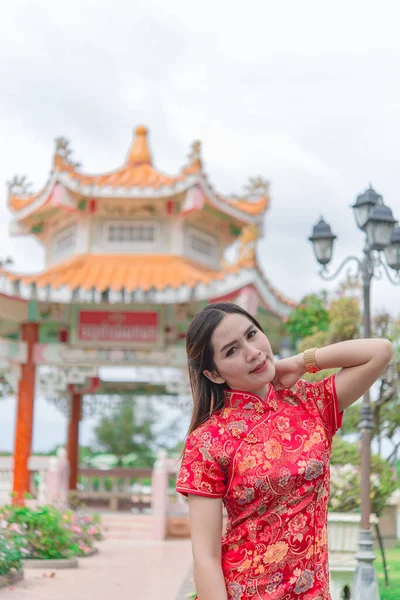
46,533
42,528
13,548
346,479
85,530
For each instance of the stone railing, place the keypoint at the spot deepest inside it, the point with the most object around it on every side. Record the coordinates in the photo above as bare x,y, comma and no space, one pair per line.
115,488
6,481
169,509
37,465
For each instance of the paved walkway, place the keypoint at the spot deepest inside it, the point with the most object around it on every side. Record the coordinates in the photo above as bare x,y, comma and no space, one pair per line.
128,565
121,569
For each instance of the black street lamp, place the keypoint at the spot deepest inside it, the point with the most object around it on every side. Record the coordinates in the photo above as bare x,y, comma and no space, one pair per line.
379,227
377,222
392,250
364,205
322,239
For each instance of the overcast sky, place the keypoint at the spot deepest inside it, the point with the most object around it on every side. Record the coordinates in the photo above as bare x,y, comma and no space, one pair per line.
305,94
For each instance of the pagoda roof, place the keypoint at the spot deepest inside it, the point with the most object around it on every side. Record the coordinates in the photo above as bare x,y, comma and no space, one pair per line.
137,178
140,279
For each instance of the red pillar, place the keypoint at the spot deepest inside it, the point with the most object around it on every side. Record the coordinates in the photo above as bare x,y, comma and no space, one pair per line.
24,425
73,439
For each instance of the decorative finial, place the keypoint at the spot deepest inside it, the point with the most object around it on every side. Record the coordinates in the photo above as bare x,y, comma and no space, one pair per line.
141,130
195,163
195,151
6,262
257,186
247,244
195,154
64,150
18,186
139,153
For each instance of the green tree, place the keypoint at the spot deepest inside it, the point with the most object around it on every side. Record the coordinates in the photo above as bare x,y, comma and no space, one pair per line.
344,320
85,454
397,468
5,388
344,323
309,317
387,404
120,432
386,399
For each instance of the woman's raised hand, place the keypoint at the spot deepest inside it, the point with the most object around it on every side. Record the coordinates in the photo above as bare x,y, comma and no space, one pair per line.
288,371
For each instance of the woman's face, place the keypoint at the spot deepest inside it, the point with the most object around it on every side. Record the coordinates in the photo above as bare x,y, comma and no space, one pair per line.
242,356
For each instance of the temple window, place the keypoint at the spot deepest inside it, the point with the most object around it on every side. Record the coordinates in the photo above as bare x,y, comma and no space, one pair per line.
202,244
121,233
64,242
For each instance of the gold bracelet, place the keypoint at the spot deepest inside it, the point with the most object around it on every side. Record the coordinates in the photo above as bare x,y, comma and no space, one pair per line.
310,362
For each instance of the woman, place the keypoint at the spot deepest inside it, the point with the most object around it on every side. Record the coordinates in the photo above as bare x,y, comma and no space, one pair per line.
262,450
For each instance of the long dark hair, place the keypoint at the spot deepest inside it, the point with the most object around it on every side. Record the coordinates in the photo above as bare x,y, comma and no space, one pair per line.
208,397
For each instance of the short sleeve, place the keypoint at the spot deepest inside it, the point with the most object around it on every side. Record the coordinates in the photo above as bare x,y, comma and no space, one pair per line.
202,472
323,394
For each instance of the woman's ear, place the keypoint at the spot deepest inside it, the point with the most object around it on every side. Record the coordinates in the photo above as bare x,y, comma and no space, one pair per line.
213,376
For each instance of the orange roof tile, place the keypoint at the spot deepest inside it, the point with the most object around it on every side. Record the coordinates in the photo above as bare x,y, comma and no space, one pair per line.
130,175
250,208
17,203
131,273
120,272
137,172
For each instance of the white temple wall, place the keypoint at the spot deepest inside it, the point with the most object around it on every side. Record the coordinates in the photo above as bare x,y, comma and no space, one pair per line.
176,237
206,242
65,238
83,238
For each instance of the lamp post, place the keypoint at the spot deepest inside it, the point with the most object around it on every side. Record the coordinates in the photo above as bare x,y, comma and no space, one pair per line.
377,222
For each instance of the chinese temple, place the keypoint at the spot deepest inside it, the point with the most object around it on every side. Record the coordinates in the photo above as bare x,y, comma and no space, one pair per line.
131,256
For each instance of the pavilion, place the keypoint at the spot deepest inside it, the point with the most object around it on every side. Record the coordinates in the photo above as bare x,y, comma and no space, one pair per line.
131,256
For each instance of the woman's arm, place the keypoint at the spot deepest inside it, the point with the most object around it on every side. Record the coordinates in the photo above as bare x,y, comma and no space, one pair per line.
361,363
206,533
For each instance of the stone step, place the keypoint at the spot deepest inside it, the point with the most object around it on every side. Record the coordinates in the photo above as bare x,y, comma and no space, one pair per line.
125,526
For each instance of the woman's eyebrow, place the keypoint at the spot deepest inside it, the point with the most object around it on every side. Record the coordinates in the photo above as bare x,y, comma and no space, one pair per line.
236,341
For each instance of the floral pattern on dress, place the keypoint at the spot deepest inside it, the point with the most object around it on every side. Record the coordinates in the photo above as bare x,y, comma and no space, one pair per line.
269,462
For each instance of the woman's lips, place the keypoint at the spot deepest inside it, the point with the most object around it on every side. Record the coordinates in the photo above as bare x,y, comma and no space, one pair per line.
261,367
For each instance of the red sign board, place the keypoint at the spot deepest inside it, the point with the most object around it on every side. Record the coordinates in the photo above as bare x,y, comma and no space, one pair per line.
117,327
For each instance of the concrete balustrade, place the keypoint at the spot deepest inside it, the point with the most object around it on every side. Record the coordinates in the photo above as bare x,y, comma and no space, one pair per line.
169,509
119,488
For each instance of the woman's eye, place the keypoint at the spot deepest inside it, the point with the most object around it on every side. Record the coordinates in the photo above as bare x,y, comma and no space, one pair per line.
252,333
230,351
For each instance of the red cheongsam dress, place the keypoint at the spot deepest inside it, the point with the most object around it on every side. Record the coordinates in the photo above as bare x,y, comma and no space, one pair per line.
269,462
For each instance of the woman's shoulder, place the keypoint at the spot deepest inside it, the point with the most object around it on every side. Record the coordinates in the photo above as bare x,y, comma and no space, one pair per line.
306,393
216,435
307,390
207,430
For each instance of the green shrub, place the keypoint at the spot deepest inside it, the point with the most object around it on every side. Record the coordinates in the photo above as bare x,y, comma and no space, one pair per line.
346,479
85,531
46,533
12,550
44,530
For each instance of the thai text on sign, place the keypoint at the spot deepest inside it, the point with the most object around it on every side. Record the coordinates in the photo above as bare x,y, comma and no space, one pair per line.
106,326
